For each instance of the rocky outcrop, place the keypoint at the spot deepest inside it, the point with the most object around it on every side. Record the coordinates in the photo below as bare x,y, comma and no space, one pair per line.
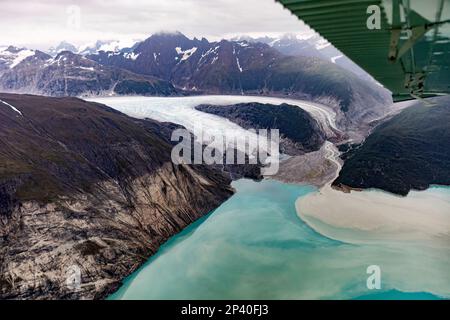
88,191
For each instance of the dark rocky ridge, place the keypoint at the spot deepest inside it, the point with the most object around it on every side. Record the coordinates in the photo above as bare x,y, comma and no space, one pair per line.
82,184
409,151
299,132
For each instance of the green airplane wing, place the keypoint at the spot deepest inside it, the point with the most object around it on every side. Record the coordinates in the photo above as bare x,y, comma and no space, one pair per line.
403,44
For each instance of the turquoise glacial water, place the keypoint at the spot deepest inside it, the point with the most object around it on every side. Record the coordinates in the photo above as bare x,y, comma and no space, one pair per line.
254,246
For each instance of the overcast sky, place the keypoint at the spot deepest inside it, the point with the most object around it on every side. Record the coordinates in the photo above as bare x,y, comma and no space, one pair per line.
42,23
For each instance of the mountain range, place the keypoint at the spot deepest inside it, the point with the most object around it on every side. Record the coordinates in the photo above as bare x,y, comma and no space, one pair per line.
308,45
172,64
242,67
70,74
93,47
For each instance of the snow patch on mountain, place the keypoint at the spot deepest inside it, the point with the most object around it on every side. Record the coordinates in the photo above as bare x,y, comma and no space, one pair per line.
86,68
186,53
116,45
12,107
106,46
62,46
12,56
22,55
322,44
238,64
131,55
333,59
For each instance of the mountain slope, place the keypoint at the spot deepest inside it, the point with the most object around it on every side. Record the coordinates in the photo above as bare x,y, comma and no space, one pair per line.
82,185
69,74
313,46
12,56
409,151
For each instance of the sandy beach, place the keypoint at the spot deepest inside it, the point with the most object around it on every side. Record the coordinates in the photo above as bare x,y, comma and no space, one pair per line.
378,216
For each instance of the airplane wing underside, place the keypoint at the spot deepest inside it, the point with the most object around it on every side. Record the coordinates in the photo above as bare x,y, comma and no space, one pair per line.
403,44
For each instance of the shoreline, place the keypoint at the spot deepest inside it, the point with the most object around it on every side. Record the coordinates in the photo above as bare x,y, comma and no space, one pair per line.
374,216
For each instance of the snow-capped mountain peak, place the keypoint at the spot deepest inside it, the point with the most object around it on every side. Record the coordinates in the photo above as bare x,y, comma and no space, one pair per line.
62,46
106,46
11,56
